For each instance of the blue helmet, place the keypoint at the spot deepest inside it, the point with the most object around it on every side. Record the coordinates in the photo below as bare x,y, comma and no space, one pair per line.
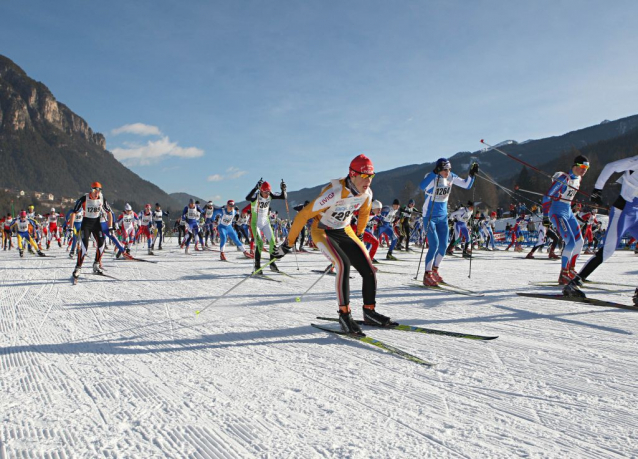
411,201
442,164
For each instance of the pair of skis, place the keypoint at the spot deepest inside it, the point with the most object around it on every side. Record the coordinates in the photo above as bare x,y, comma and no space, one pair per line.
447,288
401,327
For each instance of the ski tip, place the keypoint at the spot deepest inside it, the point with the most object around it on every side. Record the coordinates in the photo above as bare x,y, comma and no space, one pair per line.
197,313
482,141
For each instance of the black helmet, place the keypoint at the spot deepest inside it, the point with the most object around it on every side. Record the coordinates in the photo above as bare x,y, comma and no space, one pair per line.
396,202
442,164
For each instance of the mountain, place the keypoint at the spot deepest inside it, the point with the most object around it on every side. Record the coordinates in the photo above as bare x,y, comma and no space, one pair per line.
403,182
182,198
46,147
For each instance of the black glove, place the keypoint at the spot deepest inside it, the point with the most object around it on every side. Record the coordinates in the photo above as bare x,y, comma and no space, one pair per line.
282,250
474,169
597,196
283,186
261,180
546,222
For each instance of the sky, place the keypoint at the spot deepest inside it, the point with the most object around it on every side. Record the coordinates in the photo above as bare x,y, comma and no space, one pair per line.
206,97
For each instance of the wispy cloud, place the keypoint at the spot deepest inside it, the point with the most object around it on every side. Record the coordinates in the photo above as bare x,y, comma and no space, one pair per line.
137,129
154,151
215,198
231,174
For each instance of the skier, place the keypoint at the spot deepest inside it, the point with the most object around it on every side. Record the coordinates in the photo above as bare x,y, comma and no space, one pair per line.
386,219
158,221
146,223
6,232
623,218
260,197
93,204
190,215
557,210
437,186
461,217
75,228
24,226
126,223
331,231
53,228
225,227
405,216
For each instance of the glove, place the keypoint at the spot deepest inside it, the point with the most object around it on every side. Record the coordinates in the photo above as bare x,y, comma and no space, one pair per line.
282,250
360,236
546,222
474,169
283,186
597,196
261,180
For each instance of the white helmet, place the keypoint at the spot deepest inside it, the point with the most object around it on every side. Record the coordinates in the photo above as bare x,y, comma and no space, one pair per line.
128,207
376,204
52,209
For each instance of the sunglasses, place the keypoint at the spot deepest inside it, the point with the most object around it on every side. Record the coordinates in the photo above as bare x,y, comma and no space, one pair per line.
363,176
96,189
583,166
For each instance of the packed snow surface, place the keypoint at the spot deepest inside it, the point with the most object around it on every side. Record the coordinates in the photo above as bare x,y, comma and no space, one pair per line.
127,369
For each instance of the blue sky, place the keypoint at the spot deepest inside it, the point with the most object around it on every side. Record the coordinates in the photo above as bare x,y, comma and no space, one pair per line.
207,97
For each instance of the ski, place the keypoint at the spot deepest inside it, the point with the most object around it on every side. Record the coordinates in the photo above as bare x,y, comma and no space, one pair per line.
427,331
105,275
592,301
132,258
321,271
473,293
608,283
440,288
263,277
556,284
379,344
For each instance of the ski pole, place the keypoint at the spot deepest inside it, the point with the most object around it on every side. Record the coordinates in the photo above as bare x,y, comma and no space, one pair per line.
530,166
427,227
298,299
294,247
234,287
469,276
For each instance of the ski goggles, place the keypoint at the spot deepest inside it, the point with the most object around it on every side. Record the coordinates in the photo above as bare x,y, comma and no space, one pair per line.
363,176
584,165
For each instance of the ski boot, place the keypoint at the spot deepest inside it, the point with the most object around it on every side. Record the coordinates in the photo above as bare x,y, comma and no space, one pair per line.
429,280
348,325
41,254
30,249
150,251
375,261
636,297
71,254
552,256
572,288
372,317
247,254
389,256
48,245
222,256
128,250
530,255
435,275
564,278
118,254
160,247
467,254
273,267
59,244
21,253
186,250
238,249
76,272
97,269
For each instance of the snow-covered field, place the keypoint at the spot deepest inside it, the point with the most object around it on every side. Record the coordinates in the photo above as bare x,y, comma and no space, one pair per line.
127,369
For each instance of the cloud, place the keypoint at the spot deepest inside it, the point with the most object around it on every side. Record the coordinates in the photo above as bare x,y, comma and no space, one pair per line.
154,151
137,129
215,198
231,174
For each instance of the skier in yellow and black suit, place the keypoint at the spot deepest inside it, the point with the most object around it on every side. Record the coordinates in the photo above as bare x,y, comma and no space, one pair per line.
333,235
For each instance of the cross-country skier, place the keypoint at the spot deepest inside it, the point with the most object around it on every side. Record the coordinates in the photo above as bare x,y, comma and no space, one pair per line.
53,228
6,232
557,210
75,228
331,231
461,217
405,217
24,227
437,186
93,204
191,215
386,219
146,224
158,221
623,218
260,197
225,227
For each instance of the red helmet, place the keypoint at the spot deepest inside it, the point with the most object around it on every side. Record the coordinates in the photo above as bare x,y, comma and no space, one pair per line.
230,202
148,206
265,187
97,185
23,213
361,165
493,214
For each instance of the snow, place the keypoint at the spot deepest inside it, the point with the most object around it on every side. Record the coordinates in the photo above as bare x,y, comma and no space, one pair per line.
127,369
